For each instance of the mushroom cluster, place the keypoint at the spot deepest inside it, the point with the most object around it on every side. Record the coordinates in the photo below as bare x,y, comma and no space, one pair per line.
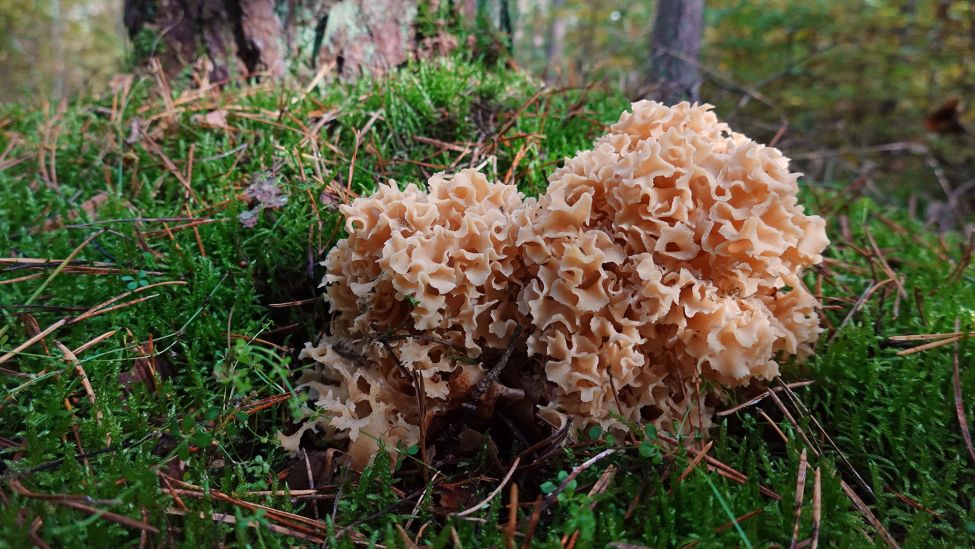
669,253
659,265
424,283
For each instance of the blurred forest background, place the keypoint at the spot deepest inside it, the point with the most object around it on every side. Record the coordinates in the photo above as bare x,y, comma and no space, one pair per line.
845,88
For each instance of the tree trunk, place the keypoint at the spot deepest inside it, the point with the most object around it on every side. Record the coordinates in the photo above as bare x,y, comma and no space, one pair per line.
278,37
556,42
674,72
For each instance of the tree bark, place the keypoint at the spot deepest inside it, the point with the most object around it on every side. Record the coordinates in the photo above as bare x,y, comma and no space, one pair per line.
556,41
674,73
278,37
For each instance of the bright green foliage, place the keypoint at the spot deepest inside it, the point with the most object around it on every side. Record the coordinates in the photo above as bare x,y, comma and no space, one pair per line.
893,417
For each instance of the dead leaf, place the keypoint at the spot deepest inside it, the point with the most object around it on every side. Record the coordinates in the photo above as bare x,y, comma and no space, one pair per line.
214,120
32,328
134,132
249,218
266,191
945,119
147,369
454,497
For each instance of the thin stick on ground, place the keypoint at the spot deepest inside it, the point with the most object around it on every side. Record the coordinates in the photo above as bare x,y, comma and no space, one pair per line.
864,297
817,508
417,379
722,468
871,518
37,337
34,533
800,492
75,502
510,528
533,523
82,375
551,497
929,346
912,503
966,434
762,397
284,518
230,519
355,150
802,409
95,341
601,486
97,310
691,466
486,501
924,337
884,264
795,425
61,267
772,424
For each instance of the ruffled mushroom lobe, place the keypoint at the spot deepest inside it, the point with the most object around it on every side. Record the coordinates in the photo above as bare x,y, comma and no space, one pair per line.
662,263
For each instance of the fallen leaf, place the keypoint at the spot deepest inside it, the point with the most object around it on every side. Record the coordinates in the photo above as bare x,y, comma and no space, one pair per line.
249,218
146,370
214,120
266,191
134,132
455,496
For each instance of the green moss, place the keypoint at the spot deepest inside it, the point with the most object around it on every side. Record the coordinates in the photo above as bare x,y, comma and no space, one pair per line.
892,416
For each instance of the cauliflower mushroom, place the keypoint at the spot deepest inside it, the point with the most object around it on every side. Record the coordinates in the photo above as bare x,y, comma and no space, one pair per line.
670,252
439,263
664,261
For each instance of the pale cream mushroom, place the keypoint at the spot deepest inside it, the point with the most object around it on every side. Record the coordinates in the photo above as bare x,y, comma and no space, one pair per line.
667,256
658,266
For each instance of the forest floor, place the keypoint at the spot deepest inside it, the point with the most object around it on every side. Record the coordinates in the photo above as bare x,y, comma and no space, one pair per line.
159,271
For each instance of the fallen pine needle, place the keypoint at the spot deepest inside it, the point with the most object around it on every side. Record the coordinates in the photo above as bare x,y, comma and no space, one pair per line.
966,434
871,518
800,492
817,508
929,346
230,519
495,492
924,337
692,465
762,397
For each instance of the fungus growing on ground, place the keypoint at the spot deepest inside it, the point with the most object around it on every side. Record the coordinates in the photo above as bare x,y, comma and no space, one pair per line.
664,261
441,264
670,252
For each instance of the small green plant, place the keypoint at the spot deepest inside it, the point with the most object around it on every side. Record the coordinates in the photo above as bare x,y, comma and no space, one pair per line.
133,282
